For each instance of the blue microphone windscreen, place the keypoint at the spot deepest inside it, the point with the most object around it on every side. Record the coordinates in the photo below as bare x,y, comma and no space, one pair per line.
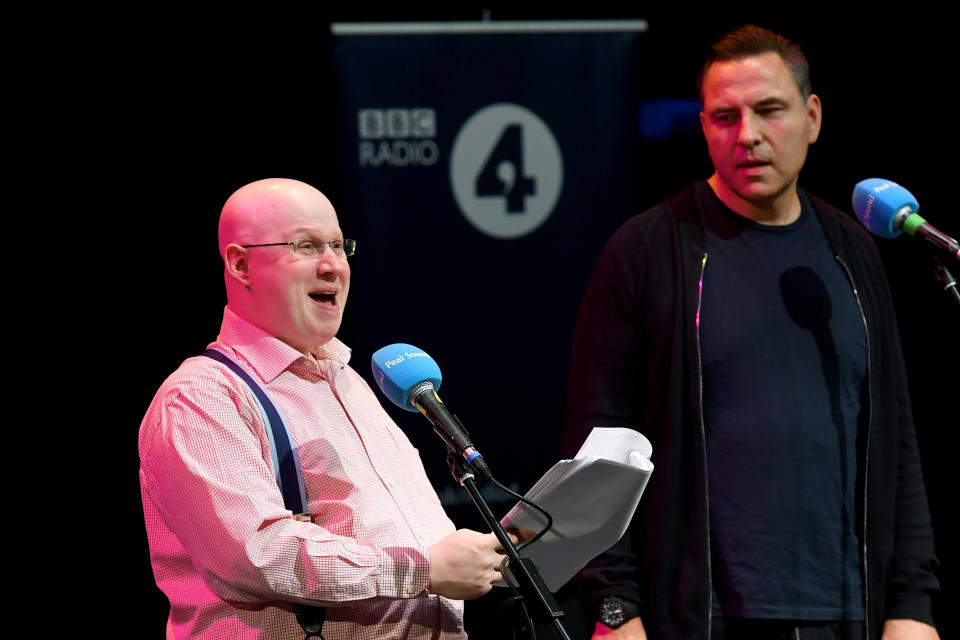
398,368
876,202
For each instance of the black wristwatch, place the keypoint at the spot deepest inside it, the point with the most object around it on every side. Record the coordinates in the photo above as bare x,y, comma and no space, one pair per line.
614,611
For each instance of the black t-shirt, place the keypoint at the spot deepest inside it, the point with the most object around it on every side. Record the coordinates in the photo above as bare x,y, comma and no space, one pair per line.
784,358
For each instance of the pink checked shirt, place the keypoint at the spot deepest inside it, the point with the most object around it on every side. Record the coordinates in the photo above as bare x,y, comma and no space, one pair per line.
225,551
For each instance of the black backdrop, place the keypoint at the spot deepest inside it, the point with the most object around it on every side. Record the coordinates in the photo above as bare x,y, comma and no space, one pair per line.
194,108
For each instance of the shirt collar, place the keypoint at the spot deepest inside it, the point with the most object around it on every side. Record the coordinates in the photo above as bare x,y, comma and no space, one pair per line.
267,355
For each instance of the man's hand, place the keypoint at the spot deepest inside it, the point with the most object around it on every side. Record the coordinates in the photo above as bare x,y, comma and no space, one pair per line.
465,564
632,629
908,630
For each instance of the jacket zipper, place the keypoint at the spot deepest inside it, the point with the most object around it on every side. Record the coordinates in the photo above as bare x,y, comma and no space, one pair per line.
703,436
866,452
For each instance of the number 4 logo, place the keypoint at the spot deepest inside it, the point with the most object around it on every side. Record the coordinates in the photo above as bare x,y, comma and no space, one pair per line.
506,171
502,174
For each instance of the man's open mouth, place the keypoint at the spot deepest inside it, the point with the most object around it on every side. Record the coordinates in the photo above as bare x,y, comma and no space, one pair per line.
325,298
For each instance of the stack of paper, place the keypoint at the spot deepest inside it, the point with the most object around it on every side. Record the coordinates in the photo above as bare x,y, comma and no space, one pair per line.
591,498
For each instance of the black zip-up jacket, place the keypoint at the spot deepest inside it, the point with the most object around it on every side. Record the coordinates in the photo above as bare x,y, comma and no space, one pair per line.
636,362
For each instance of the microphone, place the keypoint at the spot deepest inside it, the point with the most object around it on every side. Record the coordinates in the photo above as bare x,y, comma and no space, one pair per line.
410,379
886,209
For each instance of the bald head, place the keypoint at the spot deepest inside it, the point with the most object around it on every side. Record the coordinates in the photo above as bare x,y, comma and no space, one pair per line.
254,211
297,299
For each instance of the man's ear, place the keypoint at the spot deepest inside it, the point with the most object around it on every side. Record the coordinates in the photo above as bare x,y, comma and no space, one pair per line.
815,113
236,264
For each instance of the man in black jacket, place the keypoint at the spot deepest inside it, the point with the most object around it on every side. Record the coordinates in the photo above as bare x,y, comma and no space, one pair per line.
745,327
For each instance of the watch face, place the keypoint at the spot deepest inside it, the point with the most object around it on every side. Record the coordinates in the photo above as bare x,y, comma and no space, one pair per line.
611,612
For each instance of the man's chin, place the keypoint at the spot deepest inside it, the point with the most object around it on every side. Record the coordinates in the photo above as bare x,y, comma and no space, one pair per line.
761,193
324,336
306,341
747,190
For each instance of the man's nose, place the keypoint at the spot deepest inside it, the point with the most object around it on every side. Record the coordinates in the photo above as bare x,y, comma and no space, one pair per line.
749,131
328,260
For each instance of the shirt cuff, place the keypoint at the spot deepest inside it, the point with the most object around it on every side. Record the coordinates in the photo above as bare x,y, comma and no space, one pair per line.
404,573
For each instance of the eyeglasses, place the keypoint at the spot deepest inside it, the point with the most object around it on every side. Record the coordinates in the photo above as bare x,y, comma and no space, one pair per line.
312,248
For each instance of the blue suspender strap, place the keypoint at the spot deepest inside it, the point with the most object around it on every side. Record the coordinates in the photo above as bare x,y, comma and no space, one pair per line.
285,459
289,473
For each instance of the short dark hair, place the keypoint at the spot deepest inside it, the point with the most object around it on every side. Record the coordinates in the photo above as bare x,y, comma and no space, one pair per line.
751,40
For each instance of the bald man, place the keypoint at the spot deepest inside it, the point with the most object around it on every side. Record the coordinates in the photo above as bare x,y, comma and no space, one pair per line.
376,551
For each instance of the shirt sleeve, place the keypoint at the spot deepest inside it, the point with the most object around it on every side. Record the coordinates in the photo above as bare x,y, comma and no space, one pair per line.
911,581
606,377
205,469
607,359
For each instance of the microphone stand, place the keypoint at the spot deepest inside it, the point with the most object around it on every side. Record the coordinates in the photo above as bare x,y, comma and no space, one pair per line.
946,278
520,573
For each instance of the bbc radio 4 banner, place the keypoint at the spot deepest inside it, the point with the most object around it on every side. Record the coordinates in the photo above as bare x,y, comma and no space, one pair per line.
482,169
